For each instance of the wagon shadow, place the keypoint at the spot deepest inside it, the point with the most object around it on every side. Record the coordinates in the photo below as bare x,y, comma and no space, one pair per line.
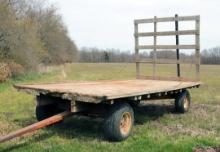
151,112
80,127
76,126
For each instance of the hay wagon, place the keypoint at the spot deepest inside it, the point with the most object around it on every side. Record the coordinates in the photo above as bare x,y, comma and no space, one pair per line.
114,100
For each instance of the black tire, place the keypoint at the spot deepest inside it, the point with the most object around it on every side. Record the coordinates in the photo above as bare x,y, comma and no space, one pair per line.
119,122
43,112
182,102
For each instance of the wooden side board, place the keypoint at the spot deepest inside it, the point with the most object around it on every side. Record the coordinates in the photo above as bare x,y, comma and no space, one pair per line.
167,19
166,61
168,47
166,33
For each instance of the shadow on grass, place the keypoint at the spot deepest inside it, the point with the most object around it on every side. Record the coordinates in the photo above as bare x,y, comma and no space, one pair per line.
151,112
80,127
33,140
89,129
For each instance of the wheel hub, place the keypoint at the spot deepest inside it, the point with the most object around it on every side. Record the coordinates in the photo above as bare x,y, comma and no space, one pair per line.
185,103
125,124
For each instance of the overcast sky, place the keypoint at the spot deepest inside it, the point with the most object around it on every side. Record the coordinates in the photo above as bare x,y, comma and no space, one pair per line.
109,23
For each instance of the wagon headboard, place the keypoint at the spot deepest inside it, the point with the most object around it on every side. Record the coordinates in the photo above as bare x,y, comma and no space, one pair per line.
177,47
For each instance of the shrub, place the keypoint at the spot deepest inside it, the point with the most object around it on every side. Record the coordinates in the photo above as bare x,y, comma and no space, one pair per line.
5,72
15,69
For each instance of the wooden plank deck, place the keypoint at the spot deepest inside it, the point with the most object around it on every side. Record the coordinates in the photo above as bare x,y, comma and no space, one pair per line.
107,90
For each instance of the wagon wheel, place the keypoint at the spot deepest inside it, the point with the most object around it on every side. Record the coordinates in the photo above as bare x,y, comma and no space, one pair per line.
182,102
119,122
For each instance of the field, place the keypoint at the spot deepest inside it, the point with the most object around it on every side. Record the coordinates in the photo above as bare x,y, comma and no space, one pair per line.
157,126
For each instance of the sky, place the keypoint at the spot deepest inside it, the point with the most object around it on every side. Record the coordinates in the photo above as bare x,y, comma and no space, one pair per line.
109,23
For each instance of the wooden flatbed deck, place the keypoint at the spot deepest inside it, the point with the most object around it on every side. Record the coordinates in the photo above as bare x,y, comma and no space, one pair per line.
99,91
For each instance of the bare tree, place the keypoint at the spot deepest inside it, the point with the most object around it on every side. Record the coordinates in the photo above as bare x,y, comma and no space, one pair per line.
32,32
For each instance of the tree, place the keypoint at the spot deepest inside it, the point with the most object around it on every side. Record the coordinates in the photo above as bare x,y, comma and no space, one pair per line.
106,56
32,32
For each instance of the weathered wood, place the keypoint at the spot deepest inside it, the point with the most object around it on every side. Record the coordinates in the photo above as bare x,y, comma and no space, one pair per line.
167,61
155,50
165,47
167,19
177,47
63,95
197,53
167,33
136,50
102,91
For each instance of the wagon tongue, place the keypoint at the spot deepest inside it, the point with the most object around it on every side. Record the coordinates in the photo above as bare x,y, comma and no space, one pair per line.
41,124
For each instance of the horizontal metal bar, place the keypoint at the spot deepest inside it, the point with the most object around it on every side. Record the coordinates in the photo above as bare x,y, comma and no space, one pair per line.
166,61
168,47
167,19
167,33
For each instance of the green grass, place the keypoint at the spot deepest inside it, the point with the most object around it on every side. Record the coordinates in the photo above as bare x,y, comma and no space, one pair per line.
157,127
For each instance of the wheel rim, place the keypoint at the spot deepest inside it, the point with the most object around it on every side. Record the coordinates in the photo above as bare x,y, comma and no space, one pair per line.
185,103
125,124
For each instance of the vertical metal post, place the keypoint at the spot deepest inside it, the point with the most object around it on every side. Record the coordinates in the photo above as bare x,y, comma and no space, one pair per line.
155,50
177,43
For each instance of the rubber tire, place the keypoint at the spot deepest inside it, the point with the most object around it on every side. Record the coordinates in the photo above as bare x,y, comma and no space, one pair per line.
179,102
43,112
113,120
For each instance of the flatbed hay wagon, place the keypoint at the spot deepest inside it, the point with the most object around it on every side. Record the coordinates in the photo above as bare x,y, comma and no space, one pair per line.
114,100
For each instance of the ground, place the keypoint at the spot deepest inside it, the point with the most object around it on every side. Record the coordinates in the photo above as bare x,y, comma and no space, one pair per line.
157,126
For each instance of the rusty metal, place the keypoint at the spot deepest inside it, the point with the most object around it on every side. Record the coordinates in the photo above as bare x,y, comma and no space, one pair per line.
41,124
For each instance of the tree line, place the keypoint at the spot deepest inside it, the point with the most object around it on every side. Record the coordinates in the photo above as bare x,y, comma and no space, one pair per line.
33,33
211,56
208,56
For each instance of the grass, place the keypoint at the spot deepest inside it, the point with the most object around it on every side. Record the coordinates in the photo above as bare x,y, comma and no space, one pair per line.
157,127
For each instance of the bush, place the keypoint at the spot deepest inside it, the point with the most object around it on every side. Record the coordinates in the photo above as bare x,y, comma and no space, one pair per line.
5,72
16,69
10,69
33,33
